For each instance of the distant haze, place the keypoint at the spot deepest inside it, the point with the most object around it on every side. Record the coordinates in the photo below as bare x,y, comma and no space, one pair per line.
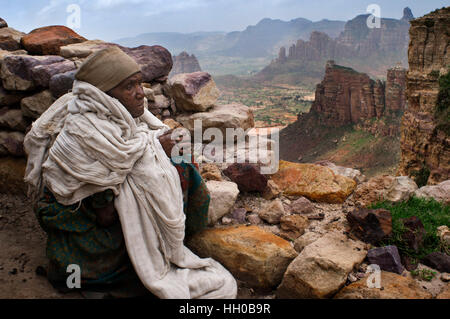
114,19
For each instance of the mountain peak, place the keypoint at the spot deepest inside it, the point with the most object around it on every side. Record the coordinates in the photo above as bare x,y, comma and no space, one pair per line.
407,14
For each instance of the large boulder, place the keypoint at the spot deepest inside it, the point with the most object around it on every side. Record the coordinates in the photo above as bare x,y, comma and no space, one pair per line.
16,70
440,192
33,106
83,49
315,182
12,171
304,240
11,143
10,39
401,189
223,196
195,92
48,40
247,177
393,286
372,191
322,267
250,253
155,61
12,119
370,225
220,116
41,74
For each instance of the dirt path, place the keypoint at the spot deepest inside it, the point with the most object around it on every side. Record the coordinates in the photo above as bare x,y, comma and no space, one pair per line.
22,250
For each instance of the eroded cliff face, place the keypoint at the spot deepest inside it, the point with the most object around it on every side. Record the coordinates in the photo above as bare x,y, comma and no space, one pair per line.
348,97
424,146
184,63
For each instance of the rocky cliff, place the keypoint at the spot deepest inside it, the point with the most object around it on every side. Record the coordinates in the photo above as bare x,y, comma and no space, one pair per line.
424,139
371,50
184,63
348,97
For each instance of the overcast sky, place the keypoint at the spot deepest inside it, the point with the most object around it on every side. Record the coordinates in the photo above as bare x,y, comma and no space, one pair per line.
113,19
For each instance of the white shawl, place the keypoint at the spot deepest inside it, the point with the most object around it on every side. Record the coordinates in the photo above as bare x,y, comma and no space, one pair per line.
87,142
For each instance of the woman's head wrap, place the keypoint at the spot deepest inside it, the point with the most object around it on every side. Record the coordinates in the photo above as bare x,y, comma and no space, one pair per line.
105,69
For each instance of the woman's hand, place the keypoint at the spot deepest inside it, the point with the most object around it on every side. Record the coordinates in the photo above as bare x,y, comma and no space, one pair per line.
167,142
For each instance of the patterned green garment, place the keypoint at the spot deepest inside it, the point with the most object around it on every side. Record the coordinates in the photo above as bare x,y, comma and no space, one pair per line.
74,237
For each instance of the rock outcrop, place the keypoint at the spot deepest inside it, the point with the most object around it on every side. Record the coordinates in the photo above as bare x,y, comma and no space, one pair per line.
184,63
425,145
348,97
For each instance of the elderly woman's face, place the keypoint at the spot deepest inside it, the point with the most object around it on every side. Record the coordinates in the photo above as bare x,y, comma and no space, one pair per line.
131,94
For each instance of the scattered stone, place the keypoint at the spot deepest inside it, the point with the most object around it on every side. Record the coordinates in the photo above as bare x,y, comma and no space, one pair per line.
352,278
12,119
322,267
272,212
372,191
33,106
226,220
387,258
194,92
438,261
370,225
220,116
320,216
315,182
211,172
272,190
223,196
301,242
401,189
238,214
440,192
445,277
414,232
302,205
251,254
247,177
62,83
16,70
443,233
48,40
293,226
161,102
11,143
354,174
41,74
254,219
408,262
393,286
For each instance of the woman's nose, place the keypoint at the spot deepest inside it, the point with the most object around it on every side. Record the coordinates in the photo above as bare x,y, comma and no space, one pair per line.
140,92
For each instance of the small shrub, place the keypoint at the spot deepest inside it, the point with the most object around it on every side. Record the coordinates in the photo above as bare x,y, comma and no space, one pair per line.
424,274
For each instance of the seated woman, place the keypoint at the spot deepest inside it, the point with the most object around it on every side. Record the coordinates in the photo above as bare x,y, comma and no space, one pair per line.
108,193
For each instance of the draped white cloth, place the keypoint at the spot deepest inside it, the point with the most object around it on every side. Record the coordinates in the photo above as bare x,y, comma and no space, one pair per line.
87,142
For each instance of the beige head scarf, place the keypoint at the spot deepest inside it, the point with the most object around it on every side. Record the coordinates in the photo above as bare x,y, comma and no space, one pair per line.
105,69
